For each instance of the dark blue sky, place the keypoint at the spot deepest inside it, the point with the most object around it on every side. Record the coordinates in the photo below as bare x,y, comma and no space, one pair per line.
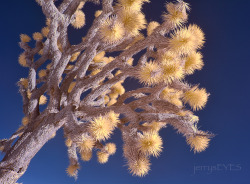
225,75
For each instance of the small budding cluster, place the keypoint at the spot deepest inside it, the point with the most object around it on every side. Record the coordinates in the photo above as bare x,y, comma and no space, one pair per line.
180,58
100,129
138,151
174,55
128,21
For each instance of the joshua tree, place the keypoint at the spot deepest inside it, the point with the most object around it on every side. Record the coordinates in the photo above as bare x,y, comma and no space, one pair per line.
82,85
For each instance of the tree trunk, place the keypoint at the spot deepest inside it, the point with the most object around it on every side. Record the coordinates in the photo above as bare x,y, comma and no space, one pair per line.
17,159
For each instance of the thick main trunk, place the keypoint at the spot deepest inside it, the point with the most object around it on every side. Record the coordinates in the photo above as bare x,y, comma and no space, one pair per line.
16,161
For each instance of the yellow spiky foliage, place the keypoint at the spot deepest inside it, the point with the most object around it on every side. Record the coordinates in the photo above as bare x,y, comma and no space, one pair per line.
25,121
151,27
99,57
45,31
24,82
74,56
198,143
193,62
102,157
132,5
111,31
172,95
130,61
110,59
118,88
42,73
68,142
106,99
112,102
139,166
98,13
25,38
69,67
168,58
42,100
79,20
118,72
113,95
176,15
48,21
133,21
37,36
86,155
22,60
95,71
150,143
182,41
150,73
72,170
86,145
171,72
71,86
110,148
199,37
81,4
196,98
113,118
49,66
100,128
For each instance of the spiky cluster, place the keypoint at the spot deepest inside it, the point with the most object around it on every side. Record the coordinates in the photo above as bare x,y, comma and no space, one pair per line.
22,60
87,144
102,127
25,38
72,170
139,166
193,62
150,144
112,31
150,73
37,36
176,13
198,143
196,98
79,20
128,21
186,39
151,27
153,73
139,147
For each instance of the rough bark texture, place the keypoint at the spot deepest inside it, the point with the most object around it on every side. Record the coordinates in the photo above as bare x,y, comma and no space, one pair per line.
75,108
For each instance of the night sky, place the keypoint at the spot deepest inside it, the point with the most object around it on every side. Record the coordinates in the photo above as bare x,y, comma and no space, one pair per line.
225,75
